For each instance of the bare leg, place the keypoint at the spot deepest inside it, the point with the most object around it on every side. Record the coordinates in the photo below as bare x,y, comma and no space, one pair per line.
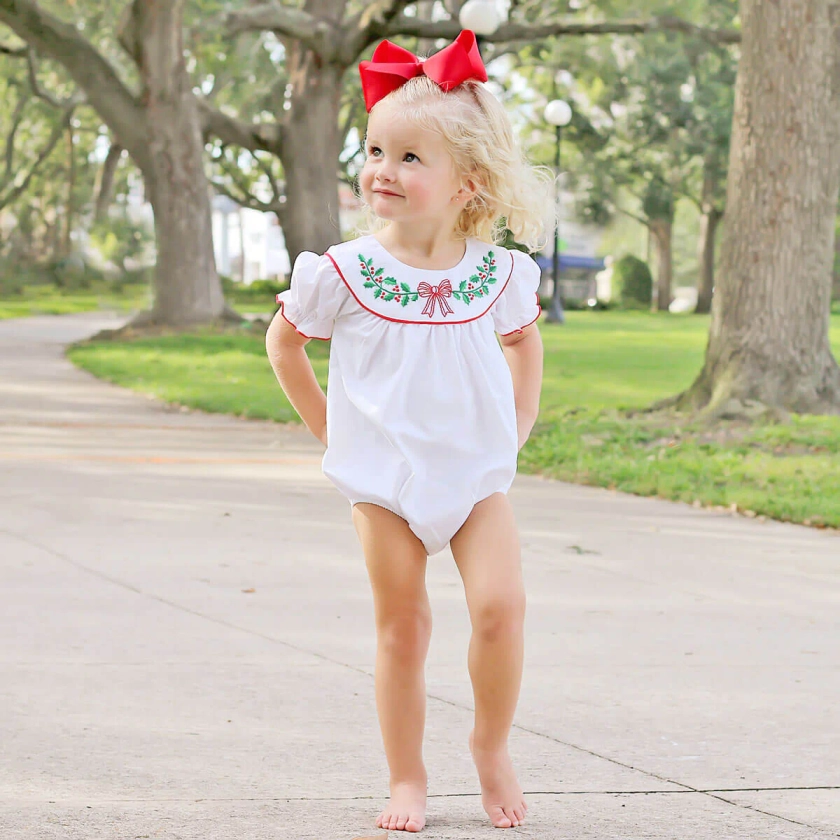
396,563
486,550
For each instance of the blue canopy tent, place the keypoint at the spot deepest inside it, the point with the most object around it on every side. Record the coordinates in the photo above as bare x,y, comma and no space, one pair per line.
567,261
577,276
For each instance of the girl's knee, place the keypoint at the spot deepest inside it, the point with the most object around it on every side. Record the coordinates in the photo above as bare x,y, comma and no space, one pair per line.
499,616
405,633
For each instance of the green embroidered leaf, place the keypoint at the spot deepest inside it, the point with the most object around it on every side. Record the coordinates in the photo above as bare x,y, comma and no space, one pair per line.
369,284
474,278
462,286
490,254
388,295
377,293
378,272
404,301
405,287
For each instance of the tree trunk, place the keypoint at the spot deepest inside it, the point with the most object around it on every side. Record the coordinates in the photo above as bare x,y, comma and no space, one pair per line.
709,221
161,131
835,288
67,245
770,316
186,287
661,231
710,216
104,194
310,153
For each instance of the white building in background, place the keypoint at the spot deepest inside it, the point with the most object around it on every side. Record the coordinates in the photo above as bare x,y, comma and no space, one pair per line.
249,245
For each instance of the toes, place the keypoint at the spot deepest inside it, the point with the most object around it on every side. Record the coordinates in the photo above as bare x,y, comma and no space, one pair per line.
511,815
519,813
500,818
401,823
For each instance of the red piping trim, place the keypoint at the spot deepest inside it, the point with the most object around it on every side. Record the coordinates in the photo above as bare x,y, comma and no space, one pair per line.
539,312
310,337
429,323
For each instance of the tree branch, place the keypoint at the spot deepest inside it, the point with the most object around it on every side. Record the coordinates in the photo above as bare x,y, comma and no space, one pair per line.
247,200
14,52
106,180
282,20
56,135
369,25
32,63
62,42
17,119
234,132
640,219
403,25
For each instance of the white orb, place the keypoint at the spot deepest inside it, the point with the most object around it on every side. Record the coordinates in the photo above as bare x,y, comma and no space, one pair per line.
558,112
482,16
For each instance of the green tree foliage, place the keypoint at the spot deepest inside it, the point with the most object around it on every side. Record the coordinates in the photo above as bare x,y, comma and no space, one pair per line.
632,283
652,118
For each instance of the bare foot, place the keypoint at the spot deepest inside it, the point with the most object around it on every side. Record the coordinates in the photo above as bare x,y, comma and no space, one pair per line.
406,810
501,794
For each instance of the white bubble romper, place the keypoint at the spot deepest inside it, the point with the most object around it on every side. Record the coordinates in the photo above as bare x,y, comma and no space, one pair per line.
420,412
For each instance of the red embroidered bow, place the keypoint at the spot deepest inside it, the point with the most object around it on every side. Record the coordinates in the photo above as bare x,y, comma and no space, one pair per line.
436,295
392,66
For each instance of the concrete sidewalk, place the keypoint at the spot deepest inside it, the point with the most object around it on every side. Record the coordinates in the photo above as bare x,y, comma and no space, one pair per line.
186,643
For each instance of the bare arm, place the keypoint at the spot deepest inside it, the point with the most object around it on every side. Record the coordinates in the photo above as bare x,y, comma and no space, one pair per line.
294,373
524,354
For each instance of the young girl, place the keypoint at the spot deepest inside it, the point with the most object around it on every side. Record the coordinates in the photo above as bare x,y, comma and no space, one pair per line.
426,411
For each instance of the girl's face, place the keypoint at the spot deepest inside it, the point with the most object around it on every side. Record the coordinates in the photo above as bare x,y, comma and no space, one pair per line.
409,175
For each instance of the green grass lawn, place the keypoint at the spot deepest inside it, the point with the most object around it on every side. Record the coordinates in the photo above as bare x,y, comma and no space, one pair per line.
51,300
597,365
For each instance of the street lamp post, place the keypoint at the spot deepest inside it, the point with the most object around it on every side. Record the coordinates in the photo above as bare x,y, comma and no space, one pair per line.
557,113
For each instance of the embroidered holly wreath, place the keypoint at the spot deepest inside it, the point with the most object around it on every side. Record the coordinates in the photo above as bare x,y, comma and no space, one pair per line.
390,289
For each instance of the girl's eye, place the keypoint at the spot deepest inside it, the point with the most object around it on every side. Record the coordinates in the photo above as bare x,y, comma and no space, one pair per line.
410,157
374,151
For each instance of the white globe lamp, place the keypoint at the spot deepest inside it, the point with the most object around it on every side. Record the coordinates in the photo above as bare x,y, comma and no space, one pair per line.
482,16
558,112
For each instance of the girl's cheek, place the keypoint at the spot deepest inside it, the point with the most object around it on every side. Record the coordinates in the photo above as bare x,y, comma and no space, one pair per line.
366,178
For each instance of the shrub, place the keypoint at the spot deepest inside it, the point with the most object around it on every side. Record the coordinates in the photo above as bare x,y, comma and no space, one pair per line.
268,287
632,283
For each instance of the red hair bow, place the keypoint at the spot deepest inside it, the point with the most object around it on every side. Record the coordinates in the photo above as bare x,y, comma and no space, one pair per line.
392,66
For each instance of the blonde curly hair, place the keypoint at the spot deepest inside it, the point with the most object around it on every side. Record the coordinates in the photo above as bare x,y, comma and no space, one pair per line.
511,193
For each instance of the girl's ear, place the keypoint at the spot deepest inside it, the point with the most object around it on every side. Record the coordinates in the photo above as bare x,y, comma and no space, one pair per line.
469,187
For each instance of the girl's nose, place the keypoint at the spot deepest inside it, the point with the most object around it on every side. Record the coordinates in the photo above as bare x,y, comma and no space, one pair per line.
385,172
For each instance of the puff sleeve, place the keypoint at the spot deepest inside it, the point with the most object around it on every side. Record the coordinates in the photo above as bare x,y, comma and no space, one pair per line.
519,305
315,296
